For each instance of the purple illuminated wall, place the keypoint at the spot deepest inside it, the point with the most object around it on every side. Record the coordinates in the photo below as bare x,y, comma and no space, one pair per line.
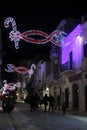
73,44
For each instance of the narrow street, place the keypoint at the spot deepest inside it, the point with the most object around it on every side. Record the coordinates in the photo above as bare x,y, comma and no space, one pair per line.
22,119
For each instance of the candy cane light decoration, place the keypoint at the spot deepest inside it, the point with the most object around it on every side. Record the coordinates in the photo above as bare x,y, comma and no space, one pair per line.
57,37
8,86
14,35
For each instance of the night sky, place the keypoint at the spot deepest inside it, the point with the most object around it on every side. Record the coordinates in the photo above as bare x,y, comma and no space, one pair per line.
38,15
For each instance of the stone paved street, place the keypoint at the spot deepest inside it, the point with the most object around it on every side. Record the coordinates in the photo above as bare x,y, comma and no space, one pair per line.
22,119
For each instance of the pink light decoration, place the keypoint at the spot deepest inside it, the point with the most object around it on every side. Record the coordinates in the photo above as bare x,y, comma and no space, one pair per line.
8,87
11,86
21,70
12,68
15,35
48,38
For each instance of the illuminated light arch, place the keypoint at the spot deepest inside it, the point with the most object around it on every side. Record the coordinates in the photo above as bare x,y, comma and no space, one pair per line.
21,70
57,37
48,38
10,68
11,86
8,86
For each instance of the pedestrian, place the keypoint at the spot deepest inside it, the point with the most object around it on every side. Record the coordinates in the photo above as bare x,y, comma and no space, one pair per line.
45,102
37,100
32,102
51,103
57,102
64,108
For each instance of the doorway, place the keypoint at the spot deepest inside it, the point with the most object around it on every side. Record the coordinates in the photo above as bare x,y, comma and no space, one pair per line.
75,97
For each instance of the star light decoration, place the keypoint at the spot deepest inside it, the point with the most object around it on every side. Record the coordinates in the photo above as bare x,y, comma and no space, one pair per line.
60,38
57,37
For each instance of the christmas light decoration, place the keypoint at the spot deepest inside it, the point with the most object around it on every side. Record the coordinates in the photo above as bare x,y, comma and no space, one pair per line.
10,68
33,67
8,87
11,86
21,70
14,34
57,37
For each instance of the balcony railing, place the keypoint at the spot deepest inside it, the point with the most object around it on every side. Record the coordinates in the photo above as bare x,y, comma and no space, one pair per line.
66,68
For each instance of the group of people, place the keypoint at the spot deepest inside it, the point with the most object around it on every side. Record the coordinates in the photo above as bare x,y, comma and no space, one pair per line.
33,100
47,101
50,102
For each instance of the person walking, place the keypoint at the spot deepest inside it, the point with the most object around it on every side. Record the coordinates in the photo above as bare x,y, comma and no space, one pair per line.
45,101
64,108
37,100
32,102
51,103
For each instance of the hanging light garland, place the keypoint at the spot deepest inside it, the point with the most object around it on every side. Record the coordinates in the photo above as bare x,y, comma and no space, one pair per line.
10,68
57,37
8,87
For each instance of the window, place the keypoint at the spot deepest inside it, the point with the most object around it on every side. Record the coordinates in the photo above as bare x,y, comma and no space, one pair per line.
85,50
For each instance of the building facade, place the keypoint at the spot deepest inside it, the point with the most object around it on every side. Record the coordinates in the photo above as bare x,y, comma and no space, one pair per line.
66,75
73,73
0,59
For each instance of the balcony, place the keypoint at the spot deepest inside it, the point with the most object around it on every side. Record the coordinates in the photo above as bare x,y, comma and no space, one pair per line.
54,55
67,69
